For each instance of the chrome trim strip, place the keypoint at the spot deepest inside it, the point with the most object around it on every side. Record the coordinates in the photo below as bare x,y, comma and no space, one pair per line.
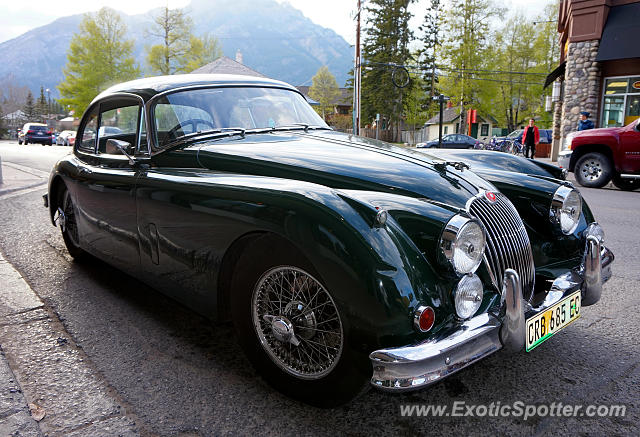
630,176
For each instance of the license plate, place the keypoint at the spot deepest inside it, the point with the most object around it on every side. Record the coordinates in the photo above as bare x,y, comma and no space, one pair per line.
542,326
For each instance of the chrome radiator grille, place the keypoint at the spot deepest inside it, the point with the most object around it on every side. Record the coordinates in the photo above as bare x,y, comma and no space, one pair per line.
508,245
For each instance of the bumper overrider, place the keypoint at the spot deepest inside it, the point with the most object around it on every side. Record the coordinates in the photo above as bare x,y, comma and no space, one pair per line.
416,366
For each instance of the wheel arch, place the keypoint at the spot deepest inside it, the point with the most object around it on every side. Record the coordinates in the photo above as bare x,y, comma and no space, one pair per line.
579,152
55,188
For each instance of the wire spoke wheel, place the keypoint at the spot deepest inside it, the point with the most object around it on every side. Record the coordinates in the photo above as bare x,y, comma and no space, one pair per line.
297,322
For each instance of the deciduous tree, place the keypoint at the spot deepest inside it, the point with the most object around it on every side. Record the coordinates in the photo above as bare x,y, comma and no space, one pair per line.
324,90
98,56
180,51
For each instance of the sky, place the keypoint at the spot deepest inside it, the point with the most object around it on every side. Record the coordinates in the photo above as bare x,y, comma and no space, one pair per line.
17,17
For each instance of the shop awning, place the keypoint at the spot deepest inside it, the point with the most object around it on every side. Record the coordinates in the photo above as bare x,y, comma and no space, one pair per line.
559,71
619,37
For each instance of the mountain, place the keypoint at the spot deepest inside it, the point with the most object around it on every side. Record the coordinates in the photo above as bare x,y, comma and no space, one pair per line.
274,38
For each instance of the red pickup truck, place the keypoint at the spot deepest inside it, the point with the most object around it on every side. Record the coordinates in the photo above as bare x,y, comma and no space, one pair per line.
597,156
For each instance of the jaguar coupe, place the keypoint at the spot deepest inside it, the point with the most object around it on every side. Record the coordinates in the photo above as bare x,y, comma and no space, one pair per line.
343,262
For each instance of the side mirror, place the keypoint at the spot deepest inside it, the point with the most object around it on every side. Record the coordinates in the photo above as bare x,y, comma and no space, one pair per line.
638,126
118,147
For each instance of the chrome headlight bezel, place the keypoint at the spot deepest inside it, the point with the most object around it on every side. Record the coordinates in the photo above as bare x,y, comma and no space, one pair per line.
456,228
562,213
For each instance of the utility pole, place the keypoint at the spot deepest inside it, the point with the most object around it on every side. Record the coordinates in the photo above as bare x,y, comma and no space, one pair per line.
357,73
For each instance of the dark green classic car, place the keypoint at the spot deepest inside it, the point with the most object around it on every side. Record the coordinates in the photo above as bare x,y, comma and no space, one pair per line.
343,262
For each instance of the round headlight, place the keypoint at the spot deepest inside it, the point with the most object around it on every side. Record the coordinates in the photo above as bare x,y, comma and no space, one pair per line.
468,296
566,208
463,242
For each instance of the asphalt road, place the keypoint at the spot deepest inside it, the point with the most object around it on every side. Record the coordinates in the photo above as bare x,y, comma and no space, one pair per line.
174,373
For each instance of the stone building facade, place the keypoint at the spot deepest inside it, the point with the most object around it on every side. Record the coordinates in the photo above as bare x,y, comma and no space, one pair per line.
599,69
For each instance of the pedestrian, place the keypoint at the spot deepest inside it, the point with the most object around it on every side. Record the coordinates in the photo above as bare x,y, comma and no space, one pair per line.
530,138
584,122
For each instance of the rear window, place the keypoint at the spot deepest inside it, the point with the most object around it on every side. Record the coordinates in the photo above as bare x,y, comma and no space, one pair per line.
45,128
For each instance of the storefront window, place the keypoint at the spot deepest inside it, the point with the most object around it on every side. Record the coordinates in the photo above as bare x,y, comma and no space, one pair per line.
612,111
616,86
621,103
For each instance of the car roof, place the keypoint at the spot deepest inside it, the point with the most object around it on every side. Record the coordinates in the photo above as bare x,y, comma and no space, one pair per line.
35,124
150,86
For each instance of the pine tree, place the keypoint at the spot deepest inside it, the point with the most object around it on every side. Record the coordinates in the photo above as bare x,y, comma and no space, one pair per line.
29,108
98,56
41,105
386,42
430,45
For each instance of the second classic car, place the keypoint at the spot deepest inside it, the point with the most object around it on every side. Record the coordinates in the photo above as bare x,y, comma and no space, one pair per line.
342,261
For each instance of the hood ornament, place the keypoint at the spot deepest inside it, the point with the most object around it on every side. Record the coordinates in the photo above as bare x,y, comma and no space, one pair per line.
458,165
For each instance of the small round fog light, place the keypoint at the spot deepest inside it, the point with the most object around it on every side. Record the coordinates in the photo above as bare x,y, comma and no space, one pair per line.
468,296
423,318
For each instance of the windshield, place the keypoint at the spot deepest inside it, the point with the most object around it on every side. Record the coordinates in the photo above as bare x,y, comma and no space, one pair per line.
185,112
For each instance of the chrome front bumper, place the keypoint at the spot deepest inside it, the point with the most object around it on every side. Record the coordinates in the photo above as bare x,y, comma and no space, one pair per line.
416,366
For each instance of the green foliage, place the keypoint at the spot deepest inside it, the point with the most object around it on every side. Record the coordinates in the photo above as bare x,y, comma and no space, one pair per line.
41,105
98,57
431,40
324,90
29,108
180,51
386,42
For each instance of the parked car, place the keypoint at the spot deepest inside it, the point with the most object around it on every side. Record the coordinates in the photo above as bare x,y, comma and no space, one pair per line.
452,141
342,261
35,133
505,144
64,136
598,156
485,163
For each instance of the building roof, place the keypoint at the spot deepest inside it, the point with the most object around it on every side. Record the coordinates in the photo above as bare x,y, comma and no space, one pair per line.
344,99
449,115
225,65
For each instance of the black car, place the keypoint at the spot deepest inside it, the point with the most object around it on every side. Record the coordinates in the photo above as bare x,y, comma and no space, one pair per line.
452,141
36,133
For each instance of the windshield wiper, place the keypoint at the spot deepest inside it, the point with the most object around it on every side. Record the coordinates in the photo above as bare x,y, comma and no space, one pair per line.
209,133
304,126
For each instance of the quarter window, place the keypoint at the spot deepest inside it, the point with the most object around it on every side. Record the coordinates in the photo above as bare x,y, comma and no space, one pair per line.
87,136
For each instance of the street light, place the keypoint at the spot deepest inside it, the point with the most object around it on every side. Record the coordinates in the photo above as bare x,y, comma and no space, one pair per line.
440,99
48,102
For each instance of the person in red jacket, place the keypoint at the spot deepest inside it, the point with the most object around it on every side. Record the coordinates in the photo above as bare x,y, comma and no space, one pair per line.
530,138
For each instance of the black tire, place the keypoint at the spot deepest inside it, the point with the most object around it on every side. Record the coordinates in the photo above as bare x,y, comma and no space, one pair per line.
593,170
343,378
69,227
26,142
19,143
625,184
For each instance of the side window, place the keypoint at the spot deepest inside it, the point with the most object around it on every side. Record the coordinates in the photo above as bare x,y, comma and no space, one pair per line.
86,138
120,122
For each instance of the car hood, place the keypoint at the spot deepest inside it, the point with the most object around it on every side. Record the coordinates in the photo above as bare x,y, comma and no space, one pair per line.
342,161
598,132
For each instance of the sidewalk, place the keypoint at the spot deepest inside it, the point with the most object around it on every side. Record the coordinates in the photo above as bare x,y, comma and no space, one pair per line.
14,177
